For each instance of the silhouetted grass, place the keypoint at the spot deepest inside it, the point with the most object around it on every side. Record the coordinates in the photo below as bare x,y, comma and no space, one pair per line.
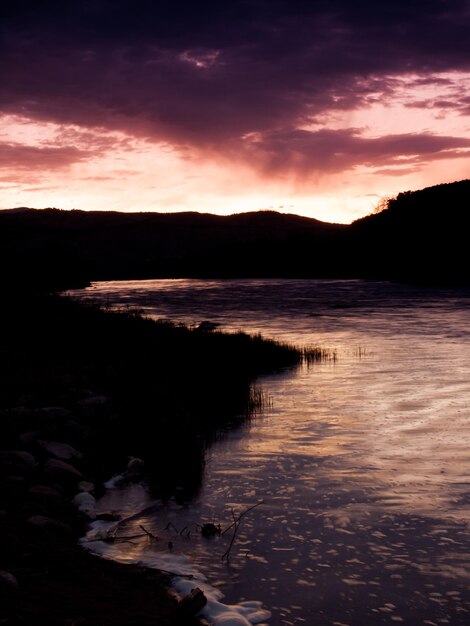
315,354
166,389
112,385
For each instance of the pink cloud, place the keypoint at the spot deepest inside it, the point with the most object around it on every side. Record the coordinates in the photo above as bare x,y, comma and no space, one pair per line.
336,150
23,157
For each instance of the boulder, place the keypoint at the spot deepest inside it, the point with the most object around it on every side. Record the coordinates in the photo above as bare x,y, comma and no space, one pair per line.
93,401
85,503
62,451
86,486
49,525
29,437
18,460
8,582
44,492
192,603
135,465
62,472
54,412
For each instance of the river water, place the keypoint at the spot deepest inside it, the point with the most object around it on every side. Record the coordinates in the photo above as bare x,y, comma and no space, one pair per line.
362,463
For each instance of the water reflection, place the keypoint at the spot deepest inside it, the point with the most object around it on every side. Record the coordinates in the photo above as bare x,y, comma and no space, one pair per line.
363,464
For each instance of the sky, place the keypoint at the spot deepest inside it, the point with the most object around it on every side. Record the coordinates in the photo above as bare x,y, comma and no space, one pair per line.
315,107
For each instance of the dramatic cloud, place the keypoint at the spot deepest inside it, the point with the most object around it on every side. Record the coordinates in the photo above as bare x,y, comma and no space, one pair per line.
338,150
17,156
278,83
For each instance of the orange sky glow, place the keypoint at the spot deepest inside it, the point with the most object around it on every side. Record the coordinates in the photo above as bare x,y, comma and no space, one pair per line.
139,127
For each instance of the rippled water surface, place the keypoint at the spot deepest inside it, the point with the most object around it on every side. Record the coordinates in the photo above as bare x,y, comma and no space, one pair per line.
362,463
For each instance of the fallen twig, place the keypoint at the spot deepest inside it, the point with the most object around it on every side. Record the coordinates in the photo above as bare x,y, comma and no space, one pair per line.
189,576
114,539
235,521
148,533
235,525
171,525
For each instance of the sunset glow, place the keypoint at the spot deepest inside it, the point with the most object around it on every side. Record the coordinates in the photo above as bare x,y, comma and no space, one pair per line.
309,111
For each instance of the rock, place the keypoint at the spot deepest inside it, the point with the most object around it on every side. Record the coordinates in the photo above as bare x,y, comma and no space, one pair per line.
73,429
193,602
19,461
60,450
13,486
50,525
19,411
85,503
85,485
8,582
44,492
61,471
210,530
54,412
29,437
93,401
135,465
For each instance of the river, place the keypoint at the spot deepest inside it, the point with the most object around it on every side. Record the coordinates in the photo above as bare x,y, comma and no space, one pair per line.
362,462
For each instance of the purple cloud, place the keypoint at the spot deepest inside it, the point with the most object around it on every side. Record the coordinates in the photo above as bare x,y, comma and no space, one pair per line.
207,75
336,150
21,157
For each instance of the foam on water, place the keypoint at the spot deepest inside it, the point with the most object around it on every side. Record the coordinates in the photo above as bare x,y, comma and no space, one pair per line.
187,577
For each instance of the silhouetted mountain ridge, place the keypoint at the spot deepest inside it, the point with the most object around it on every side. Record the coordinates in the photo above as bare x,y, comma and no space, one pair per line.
420,236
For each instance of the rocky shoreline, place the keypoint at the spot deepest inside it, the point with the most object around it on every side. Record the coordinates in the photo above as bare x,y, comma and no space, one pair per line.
82,389
49,487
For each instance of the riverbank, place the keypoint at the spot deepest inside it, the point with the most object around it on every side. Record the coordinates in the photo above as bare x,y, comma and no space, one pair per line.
83,390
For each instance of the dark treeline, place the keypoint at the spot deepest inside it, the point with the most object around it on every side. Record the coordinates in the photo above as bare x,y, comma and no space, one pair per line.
419,236
50,244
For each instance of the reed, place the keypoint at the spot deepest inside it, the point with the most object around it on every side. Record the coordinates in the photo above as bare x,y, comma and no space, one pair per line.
169,389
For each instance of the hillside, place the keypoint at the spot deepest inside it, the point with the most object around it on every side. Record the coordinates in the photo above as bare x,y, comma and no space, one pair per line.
420,236
74,246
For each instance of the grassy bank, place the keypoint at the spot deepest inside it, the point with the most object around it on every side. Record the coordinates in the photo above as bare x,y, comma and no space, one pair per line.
82,390
159,388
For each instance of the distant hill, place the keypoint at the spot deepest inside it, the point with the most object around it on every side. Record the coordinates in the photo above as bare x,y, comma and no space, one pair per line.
62,247
20,209
419,236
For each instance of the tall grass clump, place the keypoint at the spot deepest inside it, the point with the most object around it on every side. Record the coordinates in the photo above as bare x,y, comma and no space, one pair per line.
168,388
316,354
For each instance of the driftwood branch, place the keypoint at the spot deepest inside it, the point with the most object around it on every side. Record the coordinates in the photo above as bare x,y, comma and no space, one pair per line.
236,521
170,525
148,533
115,539
189,576
235,525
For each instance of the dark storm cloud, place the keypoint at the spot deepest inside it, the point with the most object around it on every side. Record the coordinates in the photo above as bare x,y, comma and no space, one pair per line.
207,74
336,150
